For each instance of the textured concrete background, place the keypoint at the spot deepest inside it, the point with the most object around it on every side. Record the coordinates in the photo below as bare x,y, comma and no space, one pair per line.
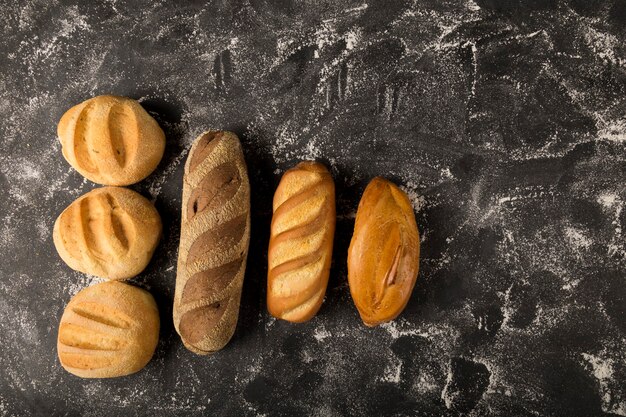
503,120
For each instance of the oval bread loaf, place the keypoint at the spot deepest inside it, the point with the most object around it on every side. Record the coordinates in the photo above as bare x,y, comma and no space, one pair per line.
110,232
107,330
214,238
301,242
383,257
111,140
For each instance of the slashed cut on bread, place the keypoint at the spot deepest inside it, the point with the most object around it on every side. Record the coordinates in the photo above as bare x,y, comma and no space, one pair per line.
301,242
214,238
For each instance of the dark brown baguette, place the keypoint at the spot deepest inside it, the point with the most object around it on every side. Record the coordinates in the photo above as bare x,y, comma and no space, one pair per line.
214,238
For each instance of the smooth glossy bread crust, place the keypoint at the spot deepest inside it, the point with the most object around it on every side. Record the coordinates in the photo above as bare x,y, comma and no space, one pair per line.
108,330
111,140
110,232
301,242
215,233
383,257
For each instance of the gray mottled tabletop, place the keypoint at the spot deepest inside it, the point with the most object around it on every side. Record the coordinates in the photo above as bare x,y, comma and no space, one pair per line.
504,121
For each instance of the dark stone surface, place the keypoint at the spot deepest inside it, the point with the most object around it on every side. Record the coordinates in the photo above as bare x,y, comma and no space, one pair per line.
503,120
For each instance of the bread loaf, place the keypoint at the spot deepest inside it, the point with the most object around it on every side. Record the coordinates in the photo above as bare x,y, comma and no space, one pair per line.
107,330
110,232
383,257
301,242
111,140
214,237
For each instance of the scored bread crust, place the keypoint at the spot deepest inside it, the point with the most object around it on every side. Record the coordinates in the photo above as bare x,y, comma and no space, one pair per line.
110,232
301,242
383,257
108,330
214,238
111,140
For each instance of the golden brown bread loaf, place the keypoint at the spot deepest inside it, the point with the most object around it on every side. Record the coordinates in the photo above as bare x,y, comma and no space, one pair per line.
301,242
107,330
111,140
383,257
110,232
214,237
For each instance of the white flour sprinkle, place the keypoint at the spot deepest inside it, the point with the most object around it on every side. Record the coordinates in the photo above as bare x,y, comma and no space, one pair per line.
577,238
602,369
397,328
393,371
320,333
417,199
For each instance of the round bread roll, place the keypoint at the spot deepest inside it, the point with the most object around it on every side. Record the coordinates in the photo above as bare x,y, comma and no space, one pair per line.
111,140
110,232
107,330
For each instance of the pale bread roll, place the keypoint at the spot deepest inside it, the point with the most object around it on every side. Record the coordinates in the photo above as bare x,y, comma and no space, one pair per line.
110,232
111,140
214,238
108,330
301,242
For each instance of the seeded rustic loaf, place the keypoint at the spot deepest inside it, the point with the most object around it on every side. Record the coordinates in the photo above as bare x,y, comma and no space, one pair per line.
111,140
301,242
383,257
215,232
108,330
110,232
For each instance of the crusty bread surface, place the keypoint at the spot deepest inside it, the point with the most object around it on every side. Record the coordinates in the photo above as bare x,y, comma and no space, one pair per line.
301,242
110,232
108,330
111,140
383,257
215,233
